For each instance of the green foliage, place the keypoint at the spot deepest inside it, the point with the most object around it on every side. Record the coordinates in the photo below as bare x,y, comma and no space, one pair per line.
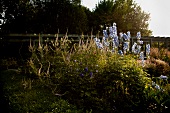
90,78
126,13
50,16
44,16
157,67
30,95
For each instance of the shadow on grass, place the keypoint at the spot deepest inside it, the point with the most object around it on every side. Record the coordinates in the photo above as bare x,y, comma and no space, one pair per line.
21,94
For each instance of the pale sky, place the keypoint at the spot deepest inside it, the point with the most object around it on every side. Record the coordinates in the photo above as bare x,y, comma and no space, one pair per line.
159,12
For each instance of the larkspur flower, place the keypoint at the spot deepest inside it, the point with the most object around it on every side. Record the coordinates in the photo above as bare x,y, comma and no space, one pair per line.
116,41
111,31
120,52
114,29
106,43
81,74
121,35
105,33
125,36
147,49
86,69
138,49
138,35
128,34
163,77
100,46
126,46
141,56
133,47
157,87
91,74
140,41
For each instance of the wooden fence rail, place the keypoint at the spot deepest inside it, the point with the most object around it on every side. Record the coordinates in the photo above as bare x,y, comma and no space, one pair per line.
16,45
35,37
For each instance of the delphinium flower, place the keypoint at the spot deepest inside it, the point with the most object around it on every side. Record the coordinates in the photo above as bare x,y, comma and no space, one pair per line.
140,42
128,34
121,35
105,34
91,74
116,41
134,48
138,38
126,47
138,35
126,38
141,56
81,74
111,31
100,46
114,29
156,86
163,77
1,22
126,42
86,69
138,49
75,60
105,43
95,39
147,49
120,52
98,43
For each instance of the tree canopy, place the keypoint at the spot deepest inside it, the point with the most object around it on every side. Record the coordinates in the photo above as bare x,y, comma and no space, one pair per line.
126,13
49,16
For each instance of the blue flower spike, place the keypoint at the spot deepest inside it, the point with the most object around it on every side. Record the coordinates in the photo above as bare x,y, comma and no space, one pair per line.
163,77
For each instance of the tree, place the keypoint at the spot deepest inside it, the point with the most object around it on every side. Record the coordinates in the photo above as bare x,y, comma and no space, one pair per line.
126,13
45,16
18,14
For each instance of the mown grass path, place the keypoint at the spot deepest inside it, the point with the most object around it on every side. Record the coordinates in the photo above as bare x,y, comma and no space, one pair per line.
4,103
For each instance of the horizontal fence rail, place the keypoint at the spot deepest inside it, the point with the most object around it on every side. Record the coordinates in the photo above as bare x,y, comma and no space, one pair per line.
12,44
76,37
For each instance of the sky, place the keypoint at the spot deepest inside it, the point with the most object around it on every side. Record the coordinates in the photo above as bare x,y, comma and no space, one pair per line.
159,11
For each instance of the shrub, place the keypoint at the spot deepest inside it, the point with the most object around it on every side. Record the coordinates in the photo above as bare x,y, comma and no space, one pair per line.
162,54
156,67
